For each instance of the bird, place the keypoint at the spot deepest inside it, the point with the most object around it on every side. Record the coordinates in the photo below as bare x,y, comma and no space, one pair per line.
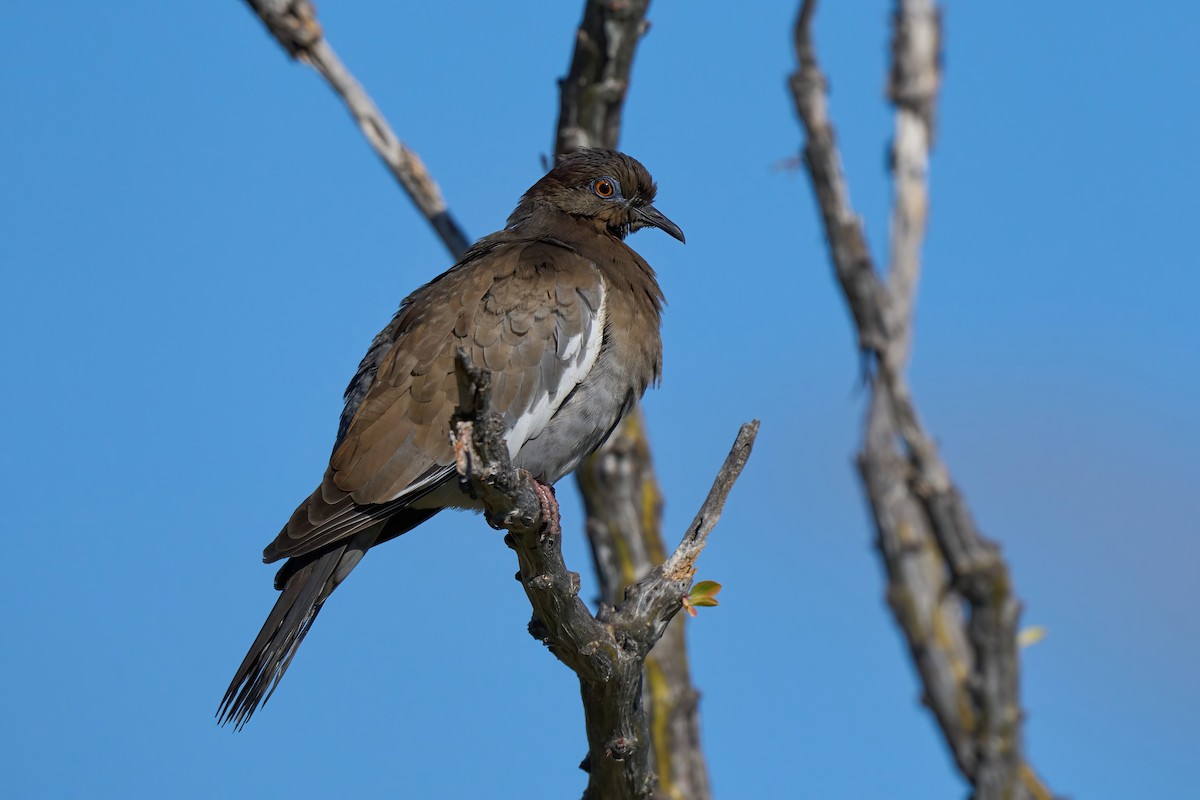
565,315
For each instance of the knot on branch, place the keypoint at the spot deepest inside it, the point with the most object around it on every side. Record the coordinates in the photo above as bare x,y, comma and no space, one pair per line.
620,747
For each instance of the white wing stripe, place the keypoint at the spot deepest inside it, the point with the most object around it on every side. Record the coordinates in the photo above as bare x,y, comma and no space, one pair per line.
580,354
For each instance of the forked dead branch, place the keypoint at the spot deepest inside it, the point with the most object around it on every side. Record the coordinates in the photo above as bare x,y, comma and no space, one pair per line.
606,651
948,586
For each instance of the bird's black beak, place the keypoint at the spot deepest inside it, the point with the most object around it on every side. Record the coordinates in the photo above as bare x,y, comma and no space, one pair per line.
652,217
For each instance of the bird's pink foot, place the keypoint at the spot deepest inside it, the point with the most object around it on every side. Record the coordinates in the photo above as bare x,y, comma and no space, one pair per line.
549,505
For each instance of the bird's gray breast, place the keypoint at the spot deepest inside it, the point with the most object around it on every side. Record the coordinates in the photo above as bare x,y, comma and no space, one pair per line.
584,420
628,361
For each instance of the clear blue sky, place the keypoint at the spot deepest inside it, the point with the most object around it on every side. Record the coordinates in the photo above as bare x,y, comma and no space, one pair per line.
197,247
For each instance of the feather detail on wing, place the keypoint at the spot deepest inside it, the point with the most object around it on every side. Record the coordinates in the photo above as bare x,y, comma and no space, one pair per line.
533,313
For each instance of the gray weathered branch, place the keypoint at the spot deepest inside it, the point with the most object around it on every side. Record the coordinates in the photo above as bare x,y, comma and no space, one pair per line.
608,651
948,586
294,25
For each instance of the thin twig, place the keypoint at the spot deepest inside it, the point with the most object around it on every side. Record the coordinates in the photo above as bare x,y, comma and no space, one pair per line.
937,561
294,25
606,652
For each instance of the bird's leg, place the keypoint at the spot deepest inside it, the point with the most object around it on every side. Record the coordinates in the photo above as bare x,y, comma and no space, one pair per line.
549,504
464,460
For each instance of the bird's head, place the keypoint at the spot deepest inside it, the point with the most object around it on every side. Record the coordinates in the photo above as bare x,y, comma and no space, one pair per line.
605,188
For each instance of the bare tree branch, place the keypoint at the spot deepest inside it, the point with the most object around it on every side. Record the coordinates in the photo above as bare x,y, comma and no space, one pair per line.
294,25
592,95
619,487
948,586
624,524
607,652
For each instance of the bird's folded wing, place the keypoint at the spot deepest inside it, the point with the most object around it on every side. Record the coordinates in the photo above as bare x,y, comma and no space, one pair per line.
532,312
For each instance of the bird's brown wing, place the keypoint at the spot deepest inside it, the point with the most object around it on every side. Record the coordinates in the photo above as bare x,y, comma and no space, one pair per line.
530,311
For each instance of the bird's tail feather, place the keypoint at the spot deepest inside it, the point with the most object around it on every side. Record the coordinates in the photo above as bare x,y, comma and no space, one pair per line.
302,594
304,583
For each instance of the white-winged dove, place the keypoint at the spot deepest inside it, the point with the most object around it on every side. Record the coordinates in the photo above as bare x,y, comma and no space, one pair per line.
565,315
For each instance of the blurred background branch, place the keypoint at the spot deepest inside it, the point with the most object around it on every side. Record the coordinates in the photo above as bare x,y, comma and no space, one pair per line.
948,586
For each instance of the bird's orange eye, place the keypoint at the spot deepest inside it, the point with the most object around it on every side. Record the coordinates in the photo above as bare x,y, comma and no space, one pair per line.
603,187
